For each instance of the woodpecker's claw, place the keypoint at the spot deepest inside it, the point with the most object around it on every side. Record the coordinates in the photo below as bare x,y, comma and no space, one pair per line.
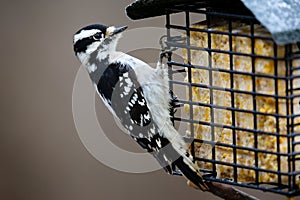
166,51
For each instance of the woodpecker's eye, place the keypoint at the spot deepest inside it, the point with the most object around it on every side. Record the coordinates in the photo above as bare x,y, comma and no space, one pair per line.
97,36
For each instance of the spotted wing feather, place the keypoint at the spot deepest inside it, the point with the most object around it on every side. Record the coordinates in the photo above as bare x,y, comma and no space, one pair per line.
119,86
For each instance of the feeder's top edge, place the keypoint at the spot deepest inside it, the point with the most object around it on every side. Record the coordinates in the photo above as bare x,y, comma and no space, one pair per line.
141,9
280,17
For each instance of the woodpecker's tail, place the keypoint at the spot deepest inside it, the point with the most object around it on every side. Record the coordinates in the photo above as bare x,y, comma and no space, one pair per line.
191,173
176,154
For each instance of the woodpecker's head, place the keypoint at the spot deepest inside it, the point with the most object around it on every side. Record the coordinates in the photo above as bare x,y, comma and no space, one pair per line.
96,37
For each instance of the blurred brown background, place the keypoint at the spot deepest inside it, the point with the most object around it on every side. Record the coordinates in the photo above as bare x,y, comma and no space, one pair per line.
41,155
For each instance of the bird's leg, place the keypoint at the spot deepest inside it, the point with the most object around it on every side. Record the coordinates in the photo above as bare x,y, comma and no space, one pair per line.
165,51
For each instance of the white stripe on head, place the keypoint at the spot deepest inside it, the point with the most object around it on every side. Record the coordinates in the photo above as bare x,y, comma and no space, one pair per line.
85,34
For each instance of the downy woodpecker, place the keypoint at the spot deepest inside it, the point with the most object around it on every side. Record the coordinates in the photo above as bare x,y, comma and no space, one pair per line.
137,94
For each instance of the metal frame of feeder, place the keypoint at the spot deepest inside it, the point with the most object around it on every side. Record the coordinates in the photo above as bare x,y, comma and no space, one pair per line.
289,189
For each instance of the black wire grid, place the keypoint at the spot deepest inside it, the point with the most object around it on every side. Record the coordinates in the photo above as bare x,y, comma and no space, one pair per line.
287,182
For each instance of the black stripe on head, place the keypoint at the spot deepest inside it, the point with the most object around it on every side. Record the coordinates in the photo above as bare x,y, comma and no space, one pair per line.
100,27
81,45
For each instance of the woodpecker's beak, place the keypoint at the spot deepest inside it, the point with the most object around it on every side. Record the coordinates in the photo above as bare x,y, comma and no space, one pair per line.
113,30
120,29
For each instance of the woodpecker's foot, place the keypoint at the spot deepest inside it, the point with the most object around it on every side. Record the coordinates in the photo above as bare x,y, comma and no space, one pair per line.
165,50
164,53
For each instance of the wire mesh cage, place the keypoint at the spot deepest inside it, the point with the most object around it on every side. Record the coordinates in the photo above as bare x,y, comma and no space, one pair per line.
242,99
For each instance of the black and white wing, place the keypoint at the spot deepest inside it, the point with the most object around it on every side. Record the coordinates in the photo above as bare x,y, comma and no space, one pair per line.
119,87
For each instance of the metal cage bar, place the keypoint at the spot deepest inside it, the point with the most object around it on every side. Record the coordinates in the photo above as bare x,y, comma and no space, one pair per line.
285,182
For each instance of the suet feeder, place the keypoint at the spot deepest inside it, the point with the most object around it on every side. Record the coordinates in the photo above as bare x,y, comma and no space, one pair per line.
242,77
